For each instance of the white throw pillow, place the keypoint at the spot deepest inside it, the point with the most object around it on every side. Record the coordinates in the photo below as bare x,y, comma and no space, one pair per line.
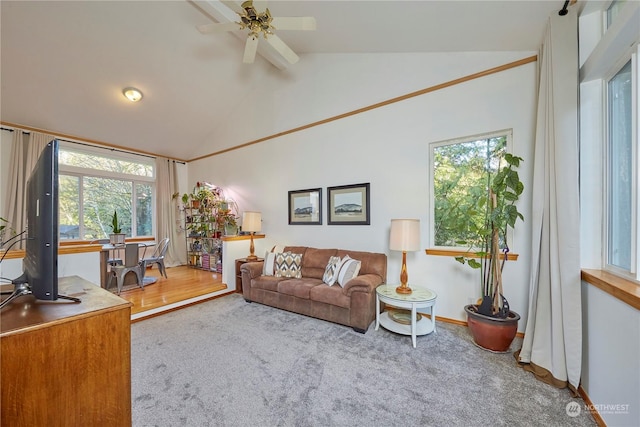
288,265
331,270
349,268
269,264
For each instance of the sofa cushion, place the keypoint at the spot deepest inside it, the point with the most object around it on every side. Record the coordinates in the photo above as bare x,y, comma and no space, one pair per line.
331,270
349,268
331,295
288,264
268,283
315,261
371,262
299,288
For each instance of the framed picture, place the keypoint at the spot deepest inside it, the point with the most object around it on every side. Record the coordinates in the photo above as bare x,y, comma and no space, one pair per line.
305,207
348,205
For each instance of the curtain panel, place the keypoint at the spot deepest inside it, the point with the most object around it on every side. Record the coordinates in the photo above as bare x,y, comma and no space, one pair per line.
24,156
552,345
167,218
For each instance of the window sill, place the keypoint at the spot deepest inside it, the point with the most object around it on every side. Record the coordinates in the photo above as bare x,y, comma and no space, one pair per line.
626,290
454,253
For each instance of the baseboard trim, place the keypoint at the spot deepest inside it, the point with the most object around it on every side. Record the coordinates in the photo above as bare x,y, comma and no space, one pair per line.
460,323
591,407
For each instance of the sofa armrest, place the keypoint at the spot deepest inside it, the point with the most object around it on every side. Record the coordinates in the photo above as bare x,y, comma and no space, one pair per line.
248,272
366,283
254,269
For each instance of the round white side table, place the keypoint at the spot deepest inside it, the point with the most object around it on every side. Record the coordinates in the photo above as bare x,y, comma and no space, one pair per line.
417,300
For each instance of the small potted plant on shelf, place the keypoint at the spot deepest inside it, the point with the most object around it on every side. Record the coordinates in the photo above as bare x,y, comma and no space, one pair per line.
230,224
117,237
491,323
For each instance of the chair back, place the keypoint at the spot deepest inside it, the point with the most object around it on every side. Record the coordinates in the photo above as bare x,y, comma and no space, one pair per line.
161,248
131,256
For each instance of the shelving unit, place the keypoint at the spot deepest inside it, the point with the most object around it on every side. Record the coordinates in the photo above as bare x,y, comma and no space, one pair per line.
202,251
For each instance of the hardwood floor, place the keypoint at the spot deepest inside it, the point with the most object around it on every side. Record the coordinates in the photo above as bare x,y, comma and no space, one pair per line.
183,283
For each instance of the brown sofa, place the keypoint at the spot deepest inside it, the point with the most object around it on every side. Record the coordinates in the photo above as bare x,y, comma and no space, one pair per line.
354,305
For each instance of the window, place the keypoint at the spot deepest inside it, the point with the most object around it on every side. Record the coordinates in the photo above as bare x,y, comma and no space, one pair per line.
613,10
93,185
459,176
622,172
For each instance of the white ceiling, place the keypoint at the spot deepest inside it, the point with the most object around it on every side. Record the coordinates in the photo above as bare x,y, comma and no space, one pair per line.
64,63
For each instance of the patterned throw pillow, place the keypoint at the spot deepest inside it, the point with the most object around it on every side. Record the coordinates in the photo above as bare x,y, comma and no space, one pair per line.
288,265
269,263
331,270
349,268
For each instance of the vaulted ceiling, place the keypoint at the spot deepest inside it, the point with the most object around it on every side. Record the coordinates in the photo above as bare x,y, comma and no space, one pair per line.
64,63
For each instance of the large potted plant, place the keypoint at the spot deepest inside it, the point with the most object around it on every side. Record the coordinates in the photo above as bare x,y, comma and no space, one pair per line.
491,323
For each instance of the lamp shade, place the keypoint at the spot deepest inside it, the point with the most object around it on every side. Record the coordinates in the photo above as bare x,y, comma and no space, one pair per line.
251,221
405,235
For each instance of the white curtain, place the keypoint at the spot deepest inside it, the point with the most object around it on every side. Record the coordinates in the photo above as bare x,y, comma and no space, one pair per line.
23,159
167,218
552,346
37,142
14,194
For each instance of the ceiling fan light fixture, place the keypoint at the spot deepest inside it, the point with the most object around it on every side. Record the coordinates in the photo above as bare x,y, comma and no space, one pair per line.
264,23
132,94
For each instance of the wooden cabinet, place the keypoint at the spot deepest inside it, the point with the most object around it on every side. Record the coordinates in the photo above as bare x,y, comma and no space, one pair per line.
239,263
65,363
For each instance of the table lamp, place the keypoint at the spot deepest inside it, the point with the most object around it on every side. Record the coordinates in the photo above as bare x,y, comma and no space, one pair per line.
404,236
251,222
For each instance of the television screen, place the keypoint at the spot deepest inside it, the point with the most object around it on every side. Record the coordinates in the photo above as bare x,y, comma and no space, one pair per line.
40,265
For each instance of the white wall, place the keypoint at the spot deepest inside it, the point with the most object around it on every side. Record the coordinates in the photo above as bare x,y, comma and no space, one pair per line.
611,349
85,265
387,147
611,328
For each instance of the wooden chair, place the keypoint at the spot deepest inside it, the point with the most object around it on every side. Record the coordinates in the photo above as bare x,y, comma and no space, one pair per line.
131,263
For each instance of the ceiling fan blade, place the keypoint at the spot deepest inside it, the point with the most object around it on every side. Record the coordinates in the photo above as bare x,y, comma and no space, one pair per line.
250,50
233,6
304,23
283,49
215,27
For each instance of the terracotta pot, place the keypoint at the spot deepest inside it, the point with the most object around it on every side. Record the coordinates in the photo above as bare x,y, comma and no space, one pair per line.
492,333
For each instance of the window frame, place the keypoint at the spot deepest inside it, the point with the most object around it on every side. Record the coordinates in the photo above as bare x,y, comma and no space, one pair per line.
633,273
81,173
431,200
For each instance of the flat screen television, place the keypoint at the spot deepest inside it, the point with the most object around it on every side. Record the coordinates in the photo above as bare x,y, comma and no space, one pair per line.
40,265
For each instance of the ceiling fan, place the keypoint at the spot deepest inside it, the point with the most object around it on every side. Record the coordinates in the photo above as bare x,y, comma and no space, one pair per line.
261,23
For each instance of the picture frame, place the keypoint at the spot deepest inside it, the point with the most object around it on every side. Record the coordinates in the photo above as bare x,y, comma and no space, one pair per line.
305,207
349,205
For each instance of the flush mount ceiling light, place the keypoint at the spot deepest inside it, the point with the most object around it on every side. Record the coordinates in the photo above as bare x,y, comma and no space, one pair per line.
132,94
